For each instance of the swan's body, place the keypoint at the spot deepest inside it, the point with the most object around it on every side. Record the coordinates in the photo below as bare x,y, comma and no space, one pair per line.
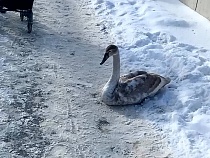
131,88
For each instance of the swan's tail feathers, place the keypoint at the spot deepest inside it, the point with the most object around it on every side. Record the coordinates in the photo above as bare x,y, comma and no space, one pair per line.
167,80
164,81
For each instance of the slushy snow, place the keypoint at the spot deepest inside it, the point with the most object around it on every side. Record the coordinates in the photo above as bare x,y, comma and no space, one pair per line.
168,38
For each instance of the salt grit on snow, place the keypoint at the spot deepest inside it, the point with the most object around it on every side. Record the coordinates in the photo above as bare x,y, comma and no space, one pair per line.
168,38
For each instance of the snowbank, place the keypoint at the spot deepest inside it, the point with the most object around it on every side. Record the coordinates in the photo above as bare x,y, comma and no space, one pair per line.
167,38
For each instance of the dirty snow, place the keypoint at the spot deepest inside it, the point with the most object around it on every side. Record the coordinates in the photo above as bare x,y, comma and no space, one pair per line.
50,82
168,38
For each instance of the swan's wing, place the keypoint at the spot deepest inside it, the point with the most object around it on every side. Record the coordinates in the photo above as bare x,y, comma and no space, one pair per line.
144,84
124,78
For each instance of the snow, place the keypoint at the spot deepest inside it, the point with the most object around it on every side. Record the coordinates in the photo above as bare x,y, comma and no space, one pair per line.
168,38
161,36
50,90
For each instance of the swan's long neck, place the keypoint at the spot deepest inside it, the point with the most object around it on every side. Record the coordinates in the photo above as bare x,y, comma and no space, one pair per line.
109,88
116,69
113,81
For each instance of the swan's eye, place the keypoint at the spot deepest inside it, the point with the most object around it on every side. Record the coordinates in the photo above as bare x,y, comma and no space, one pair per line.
109,52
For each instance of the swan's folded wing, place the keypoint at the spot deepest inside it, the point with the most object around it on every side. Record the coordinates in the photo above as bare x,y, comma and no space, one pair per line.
139,85
131,75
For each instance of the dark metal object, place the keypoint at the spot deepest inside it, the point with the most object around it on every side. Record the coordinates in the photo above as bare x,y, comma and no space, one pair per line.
22,6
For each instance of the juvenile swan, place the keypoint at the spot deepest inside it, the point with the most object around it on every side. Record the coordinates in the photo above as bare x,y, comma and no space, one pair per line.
131,88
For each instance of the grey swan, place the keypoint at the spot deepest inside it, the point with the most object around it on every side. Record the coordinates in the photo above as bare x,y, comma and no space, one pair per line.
131,88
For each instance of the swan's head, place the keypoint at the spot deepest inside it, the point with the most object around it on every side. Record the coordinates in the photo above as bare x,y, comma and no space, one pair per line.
110,51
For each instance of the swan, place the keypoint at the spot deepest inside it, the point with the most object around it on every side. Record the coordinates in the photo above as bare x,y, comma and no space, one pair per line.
132,88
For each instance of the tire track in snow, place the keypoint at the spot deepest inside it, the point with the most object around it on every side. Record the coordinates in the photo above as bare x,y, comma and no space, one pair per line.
21,135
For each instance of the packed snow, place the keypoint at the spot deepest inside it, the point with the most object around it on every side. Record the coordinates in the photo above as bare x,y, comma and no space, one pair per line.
50,90
168,38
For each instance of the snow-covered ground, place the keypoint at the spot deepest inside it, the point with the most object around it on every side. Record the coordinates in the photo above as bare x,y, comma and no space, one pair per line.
50,81
49,88
168,38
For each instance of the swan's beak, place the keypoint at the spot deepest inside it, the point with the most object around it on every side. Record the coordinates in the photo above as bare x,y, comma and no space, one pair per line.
106,56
